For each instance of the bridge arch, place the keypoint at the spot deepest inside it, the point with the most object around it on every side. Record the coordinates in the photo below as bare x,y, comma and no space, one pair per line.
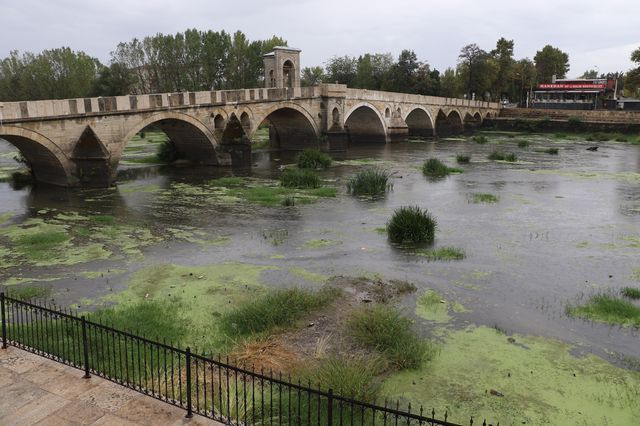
365,124
191,138
290,126
48,162
449,124
420,122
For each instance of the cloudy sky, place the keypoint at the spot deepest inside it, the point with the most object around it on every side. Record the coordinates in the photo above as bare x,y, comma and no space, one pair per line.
596,34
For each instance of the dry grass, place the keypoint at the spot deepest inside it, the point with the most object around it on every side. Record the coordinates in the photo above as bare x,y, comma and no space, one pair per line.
268,354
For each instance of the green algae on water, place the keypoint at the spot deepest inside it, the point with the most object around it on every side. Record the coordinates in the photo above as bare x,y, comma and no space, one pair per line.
541,382
432,307
308,275
321,243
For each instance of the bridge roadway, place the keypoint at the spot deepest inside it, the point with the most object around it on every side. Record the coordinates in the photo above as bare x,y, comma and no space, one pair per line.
79,142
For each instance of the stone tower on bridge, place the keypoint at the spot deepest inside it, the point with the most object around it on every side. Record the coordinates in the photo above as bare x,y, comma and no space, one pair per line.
282,68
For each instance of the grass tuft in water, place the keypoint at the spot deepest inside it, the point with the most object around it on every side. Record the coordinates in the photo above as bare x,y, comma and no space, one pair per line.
480,197
552,151
299,178
481,139
435,168
372,183
498,155
289,201
411,224
313,159
523,144
463,159
608,309
29,292
383,329
276,309
631,292
442,253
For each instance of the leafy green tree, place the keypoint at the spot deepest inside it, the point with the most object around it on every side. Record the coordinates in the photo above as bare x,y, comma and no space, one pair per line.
524,74
342,70
449,84
502,57
372,70
402,75
114,80
312,76
551,61
475,69
589,74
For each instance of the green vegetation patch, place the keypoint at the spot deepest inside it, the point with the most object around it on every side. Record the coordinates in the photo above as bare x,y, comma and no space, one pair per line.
463,159
355,377
481,139
201,294
277,309
523,144
539,379
435,168
499,155
29,292
411,225
369,183
480,197
441,253
382,328
321,243
608,309
299,178
431,306
631,292
313,159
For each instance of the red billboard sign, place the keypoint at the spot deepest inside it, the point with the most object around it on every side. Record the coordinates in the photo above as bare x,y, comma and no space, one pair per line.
572,86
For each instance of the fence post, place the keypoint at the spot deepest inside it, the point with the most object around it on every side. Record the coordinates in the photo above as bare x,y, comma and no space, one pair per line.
189,408
4,322
85,348
330,408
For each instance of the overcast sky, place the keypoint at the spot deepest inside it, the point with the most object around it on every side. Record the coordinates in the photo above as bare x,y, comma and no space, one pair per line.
596,35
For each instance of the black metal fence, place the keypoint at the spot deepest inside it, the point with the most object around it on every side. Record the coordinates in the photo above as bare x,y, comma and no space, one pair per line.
209,387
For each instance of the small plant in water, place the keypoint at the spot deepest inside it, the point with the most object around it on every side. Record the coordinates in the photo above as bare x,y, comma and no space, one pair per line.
552,151
463,159
484,198
313,159
289,201
631,292
299,178
411,224
481,139
607,308
442,253
436,169
523,144
372,183
498,155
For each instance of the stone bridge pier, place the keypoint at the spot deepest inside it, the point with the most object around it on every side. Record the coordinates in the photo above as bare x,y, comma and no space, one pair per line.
79,142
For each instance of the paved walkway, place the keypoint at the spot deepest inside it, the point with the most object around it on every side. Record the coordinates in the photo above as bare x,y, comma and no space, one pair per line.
38,391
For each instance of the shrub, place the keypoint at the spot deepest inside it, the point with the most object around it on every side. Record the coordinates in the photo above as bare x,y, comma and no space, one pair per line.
552,151
299,178
276,309
523,144
463,159
411,224
288,201
484,198
481,139
384,329
436,169
574,121
511,157
355,377
369,182
313,159
622,139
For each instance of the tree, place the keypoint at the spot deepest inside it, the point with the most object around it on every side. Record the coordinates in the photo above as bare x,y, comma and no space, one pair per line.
449,86
632,80
589,74
475,69
372,70
635,56
502,56
524,74
402,75
342,70
312,76
551,61
114,80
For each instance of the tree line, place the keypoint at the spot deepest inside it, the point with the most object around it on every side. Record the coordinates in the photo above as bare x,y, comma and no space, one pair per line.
210,60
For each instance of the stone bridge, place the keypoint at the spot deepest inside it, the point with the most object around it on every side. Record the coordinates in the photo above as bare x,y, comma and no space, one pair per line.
79,142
